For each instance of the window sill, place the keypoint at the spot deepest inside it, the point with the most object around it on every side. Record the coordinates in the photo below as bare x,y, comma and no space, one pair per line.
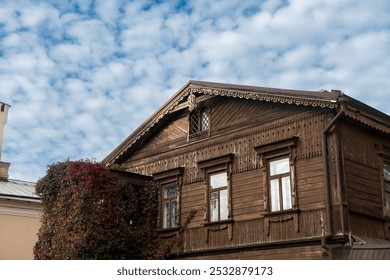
278,213
198,135
167,230
228,221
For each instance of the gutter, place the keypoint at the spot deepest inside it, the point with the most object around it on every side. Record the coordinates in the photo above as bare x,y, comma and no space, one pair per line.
330,231
20,197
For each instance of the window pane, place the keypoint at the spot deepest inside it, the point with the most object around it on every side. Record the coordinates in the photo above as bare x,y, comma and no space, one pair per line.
214,206
275,200
387,204
174,213
218,180
386,172
286,193
224,213
205,120
279,166
170,191
166,214
194,126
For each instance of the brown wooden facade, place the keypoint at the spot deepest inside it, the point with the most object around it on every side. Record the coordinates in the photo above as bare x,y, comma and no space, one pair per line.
332,148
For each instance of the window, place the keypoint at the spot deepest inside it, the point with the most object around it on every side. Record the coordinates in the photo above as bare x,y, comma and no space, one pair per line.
218,188
199,122
277,161
218,196
280,184
384,163
169,183
386,177
169,204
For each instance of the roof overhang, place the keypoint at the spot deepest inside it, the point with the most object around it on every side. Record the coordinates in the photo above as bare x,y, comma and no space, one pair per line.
204,90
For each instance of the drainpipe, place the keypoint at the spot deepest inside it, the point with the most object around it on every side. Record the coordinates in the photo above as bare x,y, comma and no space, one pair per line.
324,143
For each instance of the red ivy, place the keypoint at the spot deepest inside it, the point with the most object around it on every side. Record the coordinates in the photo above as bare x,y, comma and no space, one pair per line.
87,211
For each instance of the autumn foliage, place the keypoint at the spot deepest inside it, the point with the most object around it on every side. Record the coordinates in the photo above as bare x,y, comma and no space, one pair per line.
90,212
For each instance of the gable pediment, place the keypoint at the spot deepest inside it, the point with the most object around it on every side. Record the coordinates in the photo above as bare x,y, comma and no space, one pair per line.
195,93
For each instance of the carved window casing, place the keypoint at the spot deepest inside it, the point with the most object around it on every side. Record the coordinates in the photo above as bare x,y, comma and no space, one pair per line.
169,205
384,163
169,183
277,161
386,182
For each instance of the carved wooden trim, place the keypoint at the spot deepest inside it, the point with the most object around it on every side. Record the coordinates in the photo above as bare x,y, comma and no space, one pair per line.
192,89
248,132
168,173
269,97
219,228
168,235
279,219
216,161
191,102
366,119
173,175
277,145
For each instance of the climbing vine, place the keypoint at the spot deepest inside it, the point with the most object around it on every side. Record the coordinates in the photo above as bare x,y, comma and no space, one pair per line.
90,212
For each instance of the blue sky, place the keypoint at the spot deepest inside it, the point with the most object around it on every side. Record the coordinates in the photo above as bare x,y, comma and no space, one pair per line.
81,75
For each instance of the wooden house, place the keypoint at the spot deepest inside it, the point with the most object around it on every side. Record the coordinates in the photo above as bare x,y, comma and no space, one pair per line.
248,172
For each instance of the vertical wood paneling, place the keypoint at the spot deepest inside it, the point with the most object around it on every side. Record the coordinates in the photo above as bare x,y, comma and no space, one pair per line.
365,226
252,232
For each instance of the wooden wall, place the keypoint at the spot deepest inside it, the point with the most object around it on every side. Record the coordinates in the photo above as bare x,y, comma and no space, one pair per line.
362,179
237,127
313,252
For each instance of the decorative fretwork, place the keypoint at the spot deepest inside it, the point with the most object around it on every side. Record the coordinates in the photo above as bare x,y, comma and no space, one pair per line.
207,93
229,227
191,102
279,219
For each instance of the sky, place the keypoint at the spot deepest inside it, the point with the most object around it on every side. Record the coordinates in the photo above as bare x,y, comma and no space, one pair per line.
82,75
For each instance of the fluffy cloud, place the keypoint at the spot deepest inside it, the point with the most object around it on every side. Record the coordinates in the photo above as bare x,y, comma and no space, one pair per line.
82,75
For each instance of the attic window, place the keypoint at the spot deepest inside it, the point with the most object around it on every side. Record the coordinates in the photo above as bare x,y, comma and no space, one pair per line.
199,123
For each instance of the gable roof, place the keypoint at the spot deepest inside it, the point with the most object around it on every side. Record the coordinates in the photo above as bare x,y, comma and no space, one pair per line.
181,99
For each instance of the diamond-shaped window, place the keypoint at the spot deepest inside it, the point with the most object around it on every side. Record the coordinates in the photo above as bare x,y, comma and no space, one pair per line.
199,121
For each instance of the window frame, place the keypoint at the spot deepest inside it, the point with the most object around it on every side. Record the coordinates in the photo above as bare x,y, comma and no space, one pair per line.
219,199
169,178
384,159
168,223
271,152
218,165
386,190
279,177
202,130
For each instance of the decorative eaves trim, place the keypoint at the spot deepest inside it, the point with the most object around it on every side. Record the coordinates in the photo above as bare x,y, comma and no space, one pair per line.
368,120
269,97
176,104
